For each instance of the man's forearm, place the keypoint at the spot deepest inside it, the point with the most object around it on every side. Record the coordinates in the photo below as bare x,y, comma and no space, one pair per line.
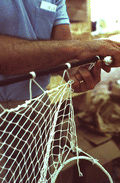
19,56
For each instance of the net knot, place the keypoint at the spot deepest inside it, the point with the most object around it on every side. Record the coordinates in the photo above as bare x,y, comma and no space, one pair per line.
94,161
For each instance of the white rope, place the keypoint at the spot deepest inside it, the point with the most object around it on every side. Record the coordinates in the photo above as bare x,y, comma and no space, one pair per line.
81,158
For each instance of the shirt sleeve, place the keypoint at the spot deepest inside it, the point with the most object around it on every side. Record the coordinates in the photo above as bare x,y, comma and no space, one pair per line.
61,13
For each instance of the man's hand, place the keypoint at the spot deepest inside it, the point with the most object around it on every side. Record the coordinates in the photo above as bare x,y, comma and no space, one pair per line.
100,47
86,80
83,78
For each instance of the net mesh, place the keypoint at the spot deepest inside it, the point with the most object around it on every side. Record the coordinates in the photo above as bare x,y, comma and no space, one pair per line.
37,137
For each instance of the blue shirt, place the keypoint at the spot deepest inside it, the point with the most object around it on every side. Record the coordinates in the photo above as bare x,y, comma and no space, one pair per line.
33,20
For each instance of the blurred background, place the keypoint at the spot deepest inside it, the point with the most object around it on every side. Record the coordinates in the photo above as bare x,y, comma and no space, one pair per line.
95,17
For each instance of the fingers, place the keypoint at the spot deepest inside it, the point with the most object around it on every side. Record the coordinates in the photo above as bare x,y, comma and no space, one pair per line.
116,44
105,67
89,82
85,80
76,84
116,62
96,72
110,48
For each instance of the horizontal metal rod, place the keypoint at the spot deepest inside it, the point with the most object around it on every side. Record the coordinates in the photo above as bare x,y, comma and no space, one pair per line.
48,71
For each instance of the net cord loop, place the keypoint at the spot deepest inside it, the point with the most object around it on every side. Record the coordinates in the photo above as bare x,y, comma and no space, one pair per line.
68,65
70,82
30,84
33,74
82,158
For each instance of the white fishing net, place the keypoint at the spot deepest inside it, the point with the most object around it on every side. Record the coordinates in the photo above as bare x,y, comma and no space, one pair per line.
37,137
